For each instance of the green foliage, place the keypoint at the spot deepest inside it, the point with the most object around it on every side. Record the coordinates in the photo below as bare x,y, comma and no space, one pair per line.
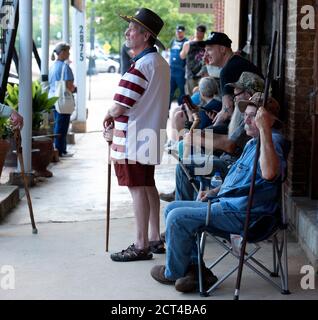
111,27
5,129
41,103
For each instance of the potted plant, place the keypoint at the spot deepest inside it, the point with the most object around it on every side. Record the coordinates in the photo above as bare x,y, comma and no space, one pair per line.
5,132
41,106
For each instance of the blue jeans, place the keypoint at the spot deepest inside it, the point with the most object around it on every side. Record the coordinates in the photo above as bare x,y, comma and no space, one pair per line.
183,220
184,189
61,124
177,80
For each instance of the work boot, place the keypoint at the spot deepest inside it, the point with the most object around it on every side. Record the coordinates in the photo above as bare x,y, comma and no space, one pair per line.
167,196
190,282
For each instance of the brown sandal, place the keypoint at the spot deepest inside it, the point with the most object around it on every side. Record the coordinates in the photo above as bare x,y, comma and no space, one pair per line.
157,247
131,254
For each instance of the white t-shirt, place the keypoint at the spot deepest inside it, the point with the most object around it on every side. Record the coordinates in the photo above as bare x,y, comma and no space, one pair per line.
144,90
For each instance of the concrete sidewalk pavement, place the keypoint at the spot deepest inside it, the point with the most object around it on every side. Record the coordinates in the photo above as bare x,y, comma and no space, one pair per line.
67,259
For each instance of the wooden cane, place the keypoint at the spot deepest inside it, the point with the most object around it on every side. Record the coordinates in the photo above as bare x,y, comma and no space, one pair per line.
18,140
109,170
254,172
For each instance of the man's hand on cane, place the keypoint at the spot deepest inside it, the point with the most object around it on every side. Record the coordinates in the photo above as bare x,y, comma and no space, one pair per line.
108,125
16,120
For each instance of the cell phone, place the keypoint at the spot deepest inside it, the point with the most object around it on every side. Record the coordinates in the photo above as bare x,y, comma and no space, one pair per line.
188,101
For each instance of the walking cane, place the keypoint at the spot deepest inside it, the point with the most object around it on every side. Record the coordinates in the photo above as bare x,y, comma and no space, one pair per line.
109,171
252,186
18,140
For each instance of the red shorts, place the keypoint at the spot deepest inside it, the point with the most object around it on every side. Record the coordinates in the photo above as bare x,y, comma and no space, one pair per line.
135,175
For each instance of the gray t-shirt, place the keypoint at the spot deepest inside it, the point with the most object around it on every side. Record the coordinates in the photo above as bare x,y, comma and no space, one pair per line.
5,111
240,138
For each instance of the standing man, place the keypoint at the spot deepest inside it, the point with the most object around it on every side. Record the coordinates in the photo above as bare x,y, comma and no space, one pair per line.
193,52
177,65
139,112
219,53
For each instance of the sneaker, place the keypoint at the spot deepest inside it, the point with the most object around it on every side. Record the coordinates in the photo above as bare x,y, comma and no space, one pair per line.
131,254
190,282
66,155
158,273
157,247
167,196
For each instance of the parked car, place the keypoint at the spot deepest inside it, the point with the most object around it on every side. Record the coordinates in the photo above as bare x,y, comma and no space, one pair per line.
105,64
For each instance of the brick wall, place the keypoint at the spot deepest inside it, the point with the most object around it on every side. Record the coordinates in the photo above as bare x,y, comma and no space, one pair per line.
218,10
299,85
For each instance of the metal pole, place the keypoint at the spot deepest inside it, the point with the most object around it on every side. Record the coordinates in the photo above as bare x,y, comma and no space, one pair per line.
66,21
91,63
45,43
25,75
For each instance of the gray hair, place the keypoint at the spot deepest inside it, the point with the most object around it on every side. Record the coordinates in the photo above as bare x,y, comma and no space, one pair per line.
208,87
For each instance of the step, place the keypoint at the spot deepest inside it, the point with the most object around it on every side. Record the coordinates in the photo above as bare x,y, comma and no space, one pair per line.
9,197
303,213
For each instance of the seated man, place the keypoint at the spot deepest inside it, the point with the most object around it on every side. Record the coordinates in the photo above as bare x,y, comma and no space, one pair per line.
208,91
231,144
228,208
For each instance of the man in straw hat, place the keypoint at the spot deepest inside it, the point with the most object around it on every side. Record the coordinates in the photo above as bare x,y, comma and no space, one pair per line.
228,208
140,111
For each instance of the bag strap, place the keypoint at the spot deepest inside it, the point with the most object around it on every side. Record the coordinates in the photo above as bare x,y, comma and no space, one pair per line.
63,71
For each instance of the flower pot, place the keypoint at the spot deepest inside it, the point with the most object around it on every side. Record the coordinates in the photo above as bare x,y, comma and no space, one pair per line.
4,148
42,158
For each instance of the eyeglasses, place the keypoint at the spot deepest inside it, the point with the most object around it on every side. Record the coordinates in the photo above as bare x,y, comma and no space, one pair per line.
249,115
235,95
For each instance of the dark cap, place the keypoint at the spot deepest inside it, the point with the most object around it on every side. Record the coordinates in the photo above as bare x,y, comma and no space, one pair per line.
201,28
180,28
219,38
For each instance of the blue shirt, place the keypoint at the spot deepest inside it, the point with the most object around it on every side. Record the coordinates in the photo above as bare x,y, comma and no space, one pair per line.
55,75
176,63
233,195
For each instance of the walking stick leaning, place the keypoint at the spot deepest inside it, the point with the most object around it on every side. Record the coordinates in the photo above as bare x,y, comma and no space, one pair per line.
252,187
18,140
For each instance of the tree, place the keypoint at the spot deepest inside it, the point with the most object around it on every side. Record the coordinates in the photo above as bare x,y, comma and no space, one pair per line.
111,27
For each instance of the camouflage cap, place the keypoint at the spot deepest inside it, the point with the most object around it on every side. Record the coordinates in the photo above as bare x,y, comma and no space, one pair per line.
256,100
250,82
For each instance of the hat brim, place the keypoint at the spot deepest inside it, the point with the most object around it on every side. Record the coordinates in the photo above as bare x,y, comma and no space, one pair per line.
133,19
235,85
242,105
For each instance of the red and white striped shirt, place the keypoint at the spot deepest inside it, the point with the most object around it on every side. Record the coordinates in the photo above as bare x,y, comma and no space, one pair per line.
144,91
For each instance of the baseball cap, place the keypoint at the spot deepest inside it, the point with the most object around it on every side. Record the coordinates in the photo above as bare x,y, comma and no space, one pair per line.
61,46
256,100
219,38
250,82
180,28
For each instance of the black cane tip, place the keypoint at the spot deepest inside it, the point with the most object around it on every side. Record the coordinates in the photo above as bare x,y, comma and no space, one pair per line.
35,231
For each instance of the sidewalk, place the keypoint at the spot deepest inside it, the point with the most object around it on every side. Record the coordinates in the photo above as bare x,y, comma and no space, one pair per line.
67,259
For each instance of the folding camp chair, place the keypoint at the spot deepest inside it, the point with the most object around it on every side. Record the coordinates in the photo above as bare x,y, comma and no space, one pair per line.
267,227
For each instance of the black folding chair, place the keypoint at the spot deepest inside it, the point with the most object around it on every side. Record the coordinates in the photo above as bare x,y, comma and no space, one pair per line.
267,227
